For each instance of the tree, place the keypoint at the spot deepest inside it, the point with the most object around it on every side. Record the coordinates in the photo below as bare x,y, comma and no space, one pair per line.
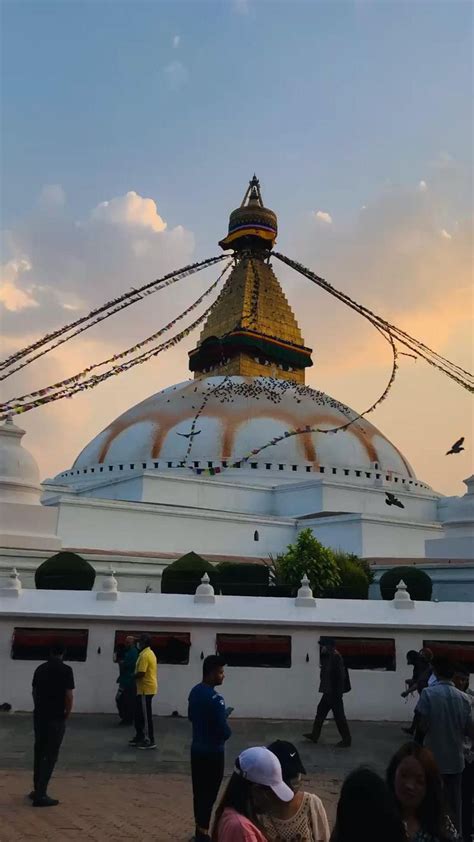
355,577
419,584
308,556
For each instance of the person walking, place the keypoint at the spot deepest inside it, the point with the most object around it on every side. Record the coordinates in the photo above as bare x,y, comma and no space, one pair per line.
421,663
304,817
461,681
445,719
208,714
147,685
366,811
334,682
53,691
413,778
126,692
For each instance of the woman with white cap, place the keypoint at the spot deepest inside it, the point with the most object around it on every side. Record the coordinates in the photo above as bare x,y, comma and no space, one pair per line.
256,781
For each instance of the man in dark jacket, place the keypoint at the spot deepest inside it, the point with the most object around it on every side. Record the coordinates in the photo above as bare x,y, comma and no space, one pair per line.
53,686
333,684
208,714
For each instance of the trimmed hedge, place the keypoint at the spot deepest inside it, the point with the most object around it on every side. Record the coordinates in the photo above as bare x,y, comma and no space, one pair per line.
65,571
184,575
240,579
230,578
419,584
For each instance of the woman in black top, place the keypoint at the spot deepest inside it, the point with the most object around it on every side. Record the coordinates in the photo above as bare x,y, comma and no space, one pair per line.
367,811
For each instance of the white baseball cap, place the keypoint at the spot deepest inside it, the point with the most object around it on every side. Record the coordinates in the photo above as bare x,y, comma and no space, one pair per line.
261,766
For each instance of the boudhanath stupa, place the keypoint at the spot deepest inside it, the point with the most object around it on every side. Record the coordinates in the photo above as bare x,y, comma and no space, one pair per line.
209,464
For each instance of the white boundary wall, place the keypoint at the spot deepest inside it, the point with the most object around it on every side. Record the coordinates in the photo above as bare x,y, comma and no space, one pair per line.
253,692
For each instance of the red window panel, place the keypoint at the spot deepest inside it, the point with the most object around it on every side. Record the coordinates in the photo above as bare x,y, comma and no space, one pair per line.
255,650
367,653
169,647
35,644
459,651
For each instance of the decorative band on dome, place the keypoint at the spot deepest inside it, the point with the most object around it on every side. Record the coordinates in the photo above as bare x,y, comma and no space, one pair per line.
212,350
262,232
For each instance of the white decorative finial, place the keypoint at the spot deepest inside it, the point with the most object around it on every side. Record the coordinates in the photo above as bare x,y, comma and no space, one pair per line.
205,591
402,598
304,597
12,586
109,589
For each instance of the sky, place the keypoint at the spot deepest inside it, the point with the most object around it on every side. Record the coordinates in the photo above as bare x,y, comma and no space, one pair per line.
131,129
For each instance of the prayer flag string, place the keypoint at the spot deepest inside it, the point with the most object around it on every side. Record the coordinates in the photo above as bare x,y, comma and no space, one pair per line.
460,375
106,310
14,402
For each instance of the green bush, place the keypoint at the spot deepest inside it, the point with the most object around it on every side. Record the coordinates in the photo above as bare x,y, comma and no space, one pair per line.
308,556
419,584
364,565
235,571
354,582
65,571
241,579
184,575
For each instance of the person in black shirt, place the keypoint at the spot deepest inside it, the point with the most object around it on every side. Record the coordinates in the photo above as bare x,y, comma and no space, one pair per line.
53,685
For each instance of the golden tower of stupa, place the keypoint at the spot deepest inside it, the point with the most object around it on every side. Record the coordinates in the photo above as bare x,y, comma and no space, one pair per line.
252,331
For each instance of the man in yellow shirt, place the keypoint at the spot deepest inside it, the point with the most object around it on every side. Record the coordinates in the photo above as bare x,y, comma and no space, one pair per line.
147,685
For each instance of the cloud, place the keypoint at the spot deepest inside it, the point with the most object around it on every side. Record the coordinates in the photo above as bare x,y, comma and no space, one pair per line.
59,267
13,297
241,7
52,196
176,75
57,263
176,41
392,258
323,216
130,209
443,161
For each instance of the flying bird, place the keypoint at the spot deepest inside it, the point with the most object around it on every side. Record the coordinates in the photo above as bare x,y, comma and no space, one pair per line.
457,446
391,500
189,435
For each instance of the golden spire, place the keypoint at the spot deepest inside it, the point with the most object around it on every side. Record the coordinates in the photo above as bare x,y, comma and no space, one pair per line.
252,331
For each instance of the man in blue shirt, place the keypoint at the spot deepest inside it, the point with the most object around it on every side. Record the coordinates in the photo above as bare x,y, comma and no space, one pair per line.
126,693
208,714
445,720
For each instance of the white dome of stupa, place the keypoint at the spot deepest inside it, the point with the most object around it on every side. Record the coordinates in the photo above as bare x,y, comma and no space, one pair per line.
217,421
19,472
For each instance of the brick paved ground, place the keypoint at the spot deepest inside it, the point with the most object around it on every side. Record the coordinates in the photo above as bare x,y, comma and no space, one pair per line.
111,793
96,807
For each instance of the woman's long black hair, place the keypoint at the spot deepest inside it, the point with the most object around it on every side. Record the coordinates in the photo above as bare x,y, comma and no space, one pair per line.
238,797
367,810
432,813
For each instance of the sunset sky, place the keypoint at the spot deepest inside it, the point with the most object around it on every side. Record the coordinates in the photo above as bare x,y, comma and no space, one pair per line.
131,130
